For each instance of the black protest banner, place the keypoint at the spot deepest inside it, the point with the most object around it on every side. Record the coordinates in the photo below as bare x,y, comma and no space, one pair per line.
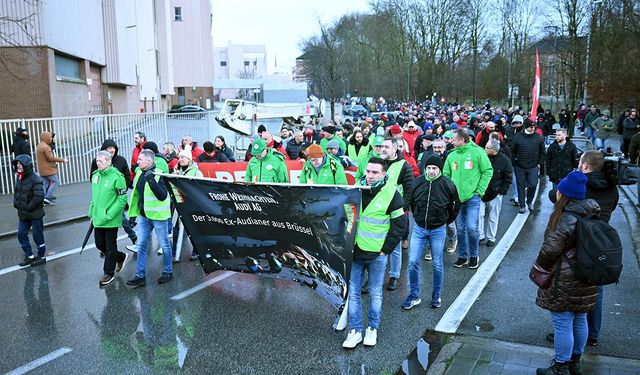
299,233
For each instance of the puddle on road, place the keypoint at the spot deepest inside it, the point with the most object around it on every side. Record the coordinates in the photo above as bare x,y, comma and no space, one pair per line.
484,326
425,353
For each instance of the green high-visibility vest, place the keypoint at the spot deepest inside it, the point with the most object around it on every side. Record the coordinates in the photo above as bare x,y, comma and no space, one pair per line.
394,172
154,209
357,156
374,222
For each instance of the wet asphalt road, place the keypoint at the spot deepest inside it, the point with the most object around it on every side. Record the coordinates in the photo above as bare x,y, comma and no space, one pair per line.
241,324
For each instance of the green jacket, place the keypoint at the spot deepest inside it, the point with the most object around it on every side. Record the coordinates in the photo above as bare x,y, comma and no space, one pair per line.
602,127
161,164
324,141
108,198
271,168
331,173
362,165
470,170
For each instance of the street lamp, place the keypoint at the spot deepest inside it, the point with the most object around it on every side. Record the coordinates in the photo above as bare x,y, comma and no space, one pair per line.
585,91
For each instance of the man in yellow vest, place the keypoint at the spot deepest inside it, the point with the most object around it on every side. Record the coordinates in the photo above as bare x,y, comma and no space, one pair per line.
400,174
150,204
380,228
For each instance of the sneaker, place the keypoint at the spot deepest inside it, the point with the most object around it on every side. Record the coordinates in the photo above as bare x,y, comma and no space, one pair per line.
132,248
405,244
370,337
136,282
410,303
38,261
592,342
436,304
102,254
134,240
193,257
159,252
49,201
452,246
480,241
27,261
393,283
473,262
353,339
165,278
461,262
515,203
428,257
106,279
530,206
120,265
490,243
522,210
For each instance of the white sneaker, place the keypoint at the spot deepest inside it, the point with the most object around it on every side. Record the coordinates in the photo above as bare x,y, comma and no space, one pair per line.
159,252
353,339
132,248
370,337
452,246
428,257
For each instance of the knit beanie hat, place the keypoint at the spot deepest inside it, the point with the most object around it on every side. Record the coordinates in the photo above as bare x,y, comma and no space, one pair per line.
185,154
574,185
395,129
315,151
151,146
333,144
433,160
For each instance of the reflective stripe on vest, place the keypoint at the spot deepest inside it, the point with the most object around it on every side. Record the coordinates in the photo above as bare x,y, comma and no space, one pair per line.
374,222
394,172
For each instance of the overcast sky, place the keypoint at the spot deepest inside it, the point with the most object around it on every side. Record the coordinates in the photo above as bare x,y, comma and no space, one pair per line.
280,25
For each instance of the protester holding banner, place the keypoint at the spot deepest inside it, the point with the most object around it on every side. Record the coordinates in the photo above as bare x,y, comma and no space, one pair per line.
159,160
108,197
266,164
150,205
322,169
380,228
185,167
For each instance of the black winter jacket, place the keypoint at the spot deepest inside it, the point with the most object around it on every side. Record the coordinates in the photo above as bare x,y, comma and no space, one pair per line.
396,231
527,150
434,203
509,135
293,149
28,197
561,161
405,178
20,145
227,152
117,161
501,179
604,192
631,127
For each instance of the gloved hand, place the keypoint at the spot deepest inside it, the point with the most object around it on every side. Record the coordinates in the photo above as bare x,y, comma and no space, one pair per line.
132,222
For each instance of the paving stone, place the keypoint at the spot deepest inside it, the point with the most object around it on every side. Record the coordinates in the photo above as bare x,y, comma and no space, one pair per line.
487,356
458,370
517,358
469,351
511,369
464,362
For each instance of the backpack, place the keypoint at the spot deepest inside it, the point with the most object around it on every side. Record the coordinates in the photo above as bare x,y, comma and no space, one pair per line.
598,251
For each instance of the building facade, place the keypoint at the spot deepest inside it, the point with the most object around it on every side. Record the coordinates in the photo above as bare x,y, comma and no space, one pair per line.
239,61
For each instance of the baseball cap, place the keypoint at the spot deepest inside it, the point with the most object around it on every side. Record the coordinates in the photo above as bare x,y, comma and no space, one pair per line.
258,146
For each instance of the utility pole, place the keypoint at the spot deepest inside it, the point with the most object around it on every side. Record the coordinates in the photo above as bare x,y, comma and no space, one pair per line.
585,92
553,68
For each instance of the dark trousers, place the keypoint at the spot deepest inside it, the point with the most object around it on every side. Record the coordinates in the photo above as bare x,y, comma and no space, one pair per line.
106,241
526,179
37,227
625,147
127,228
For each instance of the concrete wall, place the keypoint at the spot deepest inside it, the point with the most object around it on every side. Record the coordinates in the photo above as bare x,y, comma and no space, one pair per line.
121,99
192,44
164,20
68,98
119,18
24,83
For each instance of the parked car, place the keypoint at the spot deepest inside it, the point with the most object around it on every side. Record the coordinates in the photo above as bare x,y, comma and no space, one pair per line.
357,110
196,111
345,109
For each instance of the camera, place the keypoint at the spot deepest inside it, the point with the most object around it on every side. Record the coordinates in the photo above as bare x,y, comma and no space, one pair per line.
619,170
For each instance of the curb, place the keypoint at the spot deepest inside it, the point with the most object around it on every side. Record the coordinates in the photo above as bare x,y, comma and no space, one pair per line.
626,189
52,224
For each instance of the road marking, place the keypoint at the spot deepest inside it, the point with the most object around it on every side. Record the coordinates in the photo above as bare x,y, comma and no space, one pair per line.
205,284
458,310
39,362
7,270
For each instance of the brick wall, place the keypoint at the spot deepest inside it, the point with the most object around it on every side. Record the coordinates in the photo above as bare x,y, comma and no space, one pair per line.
24,82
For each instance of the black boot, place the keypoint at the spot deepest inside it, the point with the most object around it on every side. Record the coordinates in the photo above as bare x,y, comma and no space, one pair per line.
574,366
557,368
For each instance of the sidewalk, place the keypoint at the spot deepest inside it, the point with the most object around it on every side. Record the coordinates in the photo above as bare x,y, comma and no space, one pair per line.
72,205
463,355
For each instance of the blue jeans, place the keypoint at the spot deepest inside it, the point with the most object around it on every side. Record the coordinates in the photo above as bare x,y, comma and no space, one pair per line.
594,318
50,184
37,227
600,143
467,227
144,228
570,334
376,269
436,239
395,261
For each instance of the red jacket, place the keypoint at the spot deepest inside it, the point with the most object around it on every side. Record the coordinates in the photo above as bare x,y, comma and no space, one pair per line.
412,163
134,158
411,137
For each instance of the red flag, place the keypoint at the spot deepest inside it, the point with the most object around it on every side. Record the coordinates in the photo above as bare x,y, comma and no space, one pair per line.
535,91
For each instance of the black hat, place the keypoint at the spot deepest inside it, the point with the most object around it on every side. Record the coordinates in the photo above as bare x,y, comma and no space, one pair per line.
331,129
433,160
429,137
21,130
151,146
261,128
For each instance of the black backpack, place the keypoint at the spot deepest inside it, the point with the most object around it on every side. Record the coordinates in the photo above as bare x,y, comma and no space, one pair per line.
598,251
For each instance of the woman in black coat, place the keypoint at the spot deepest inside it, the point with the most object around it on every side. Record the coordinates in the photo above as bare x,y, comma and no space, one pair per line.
221,146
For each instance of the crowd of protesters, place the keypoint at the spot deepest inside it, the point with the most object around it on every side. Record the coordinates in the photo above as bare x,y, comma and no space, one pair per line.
442,169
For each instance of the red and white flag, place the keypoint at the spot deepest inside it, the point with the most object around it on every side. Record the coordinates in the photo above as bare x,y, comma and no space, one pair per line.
535,91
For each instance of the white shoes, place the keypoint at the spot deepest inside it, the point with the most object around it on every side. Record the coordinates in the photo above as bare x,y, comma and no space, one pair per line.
452,246
132,248
353,339
370,337
159,252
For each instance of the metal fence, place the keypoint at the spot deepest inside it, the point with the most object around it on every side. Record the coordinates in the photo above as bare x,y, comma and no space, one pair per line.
79,138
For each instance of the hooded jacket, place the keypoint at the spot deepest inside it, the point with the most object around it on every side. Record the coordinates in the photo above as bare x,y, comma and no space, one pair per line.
119,162
28,196
271,168
47,161
20,145
411,137
469,168
604,192
108,198
331,173
565,292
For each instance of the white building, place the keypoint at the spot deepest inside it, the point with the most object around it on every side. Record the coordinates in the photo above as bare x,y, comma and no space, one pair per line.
239,61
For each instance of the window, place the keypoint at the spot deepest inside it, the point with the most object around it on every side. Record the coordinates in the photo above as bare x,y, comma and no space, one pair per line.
255,63
177,13
181,98
223,63
246,63
67,69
